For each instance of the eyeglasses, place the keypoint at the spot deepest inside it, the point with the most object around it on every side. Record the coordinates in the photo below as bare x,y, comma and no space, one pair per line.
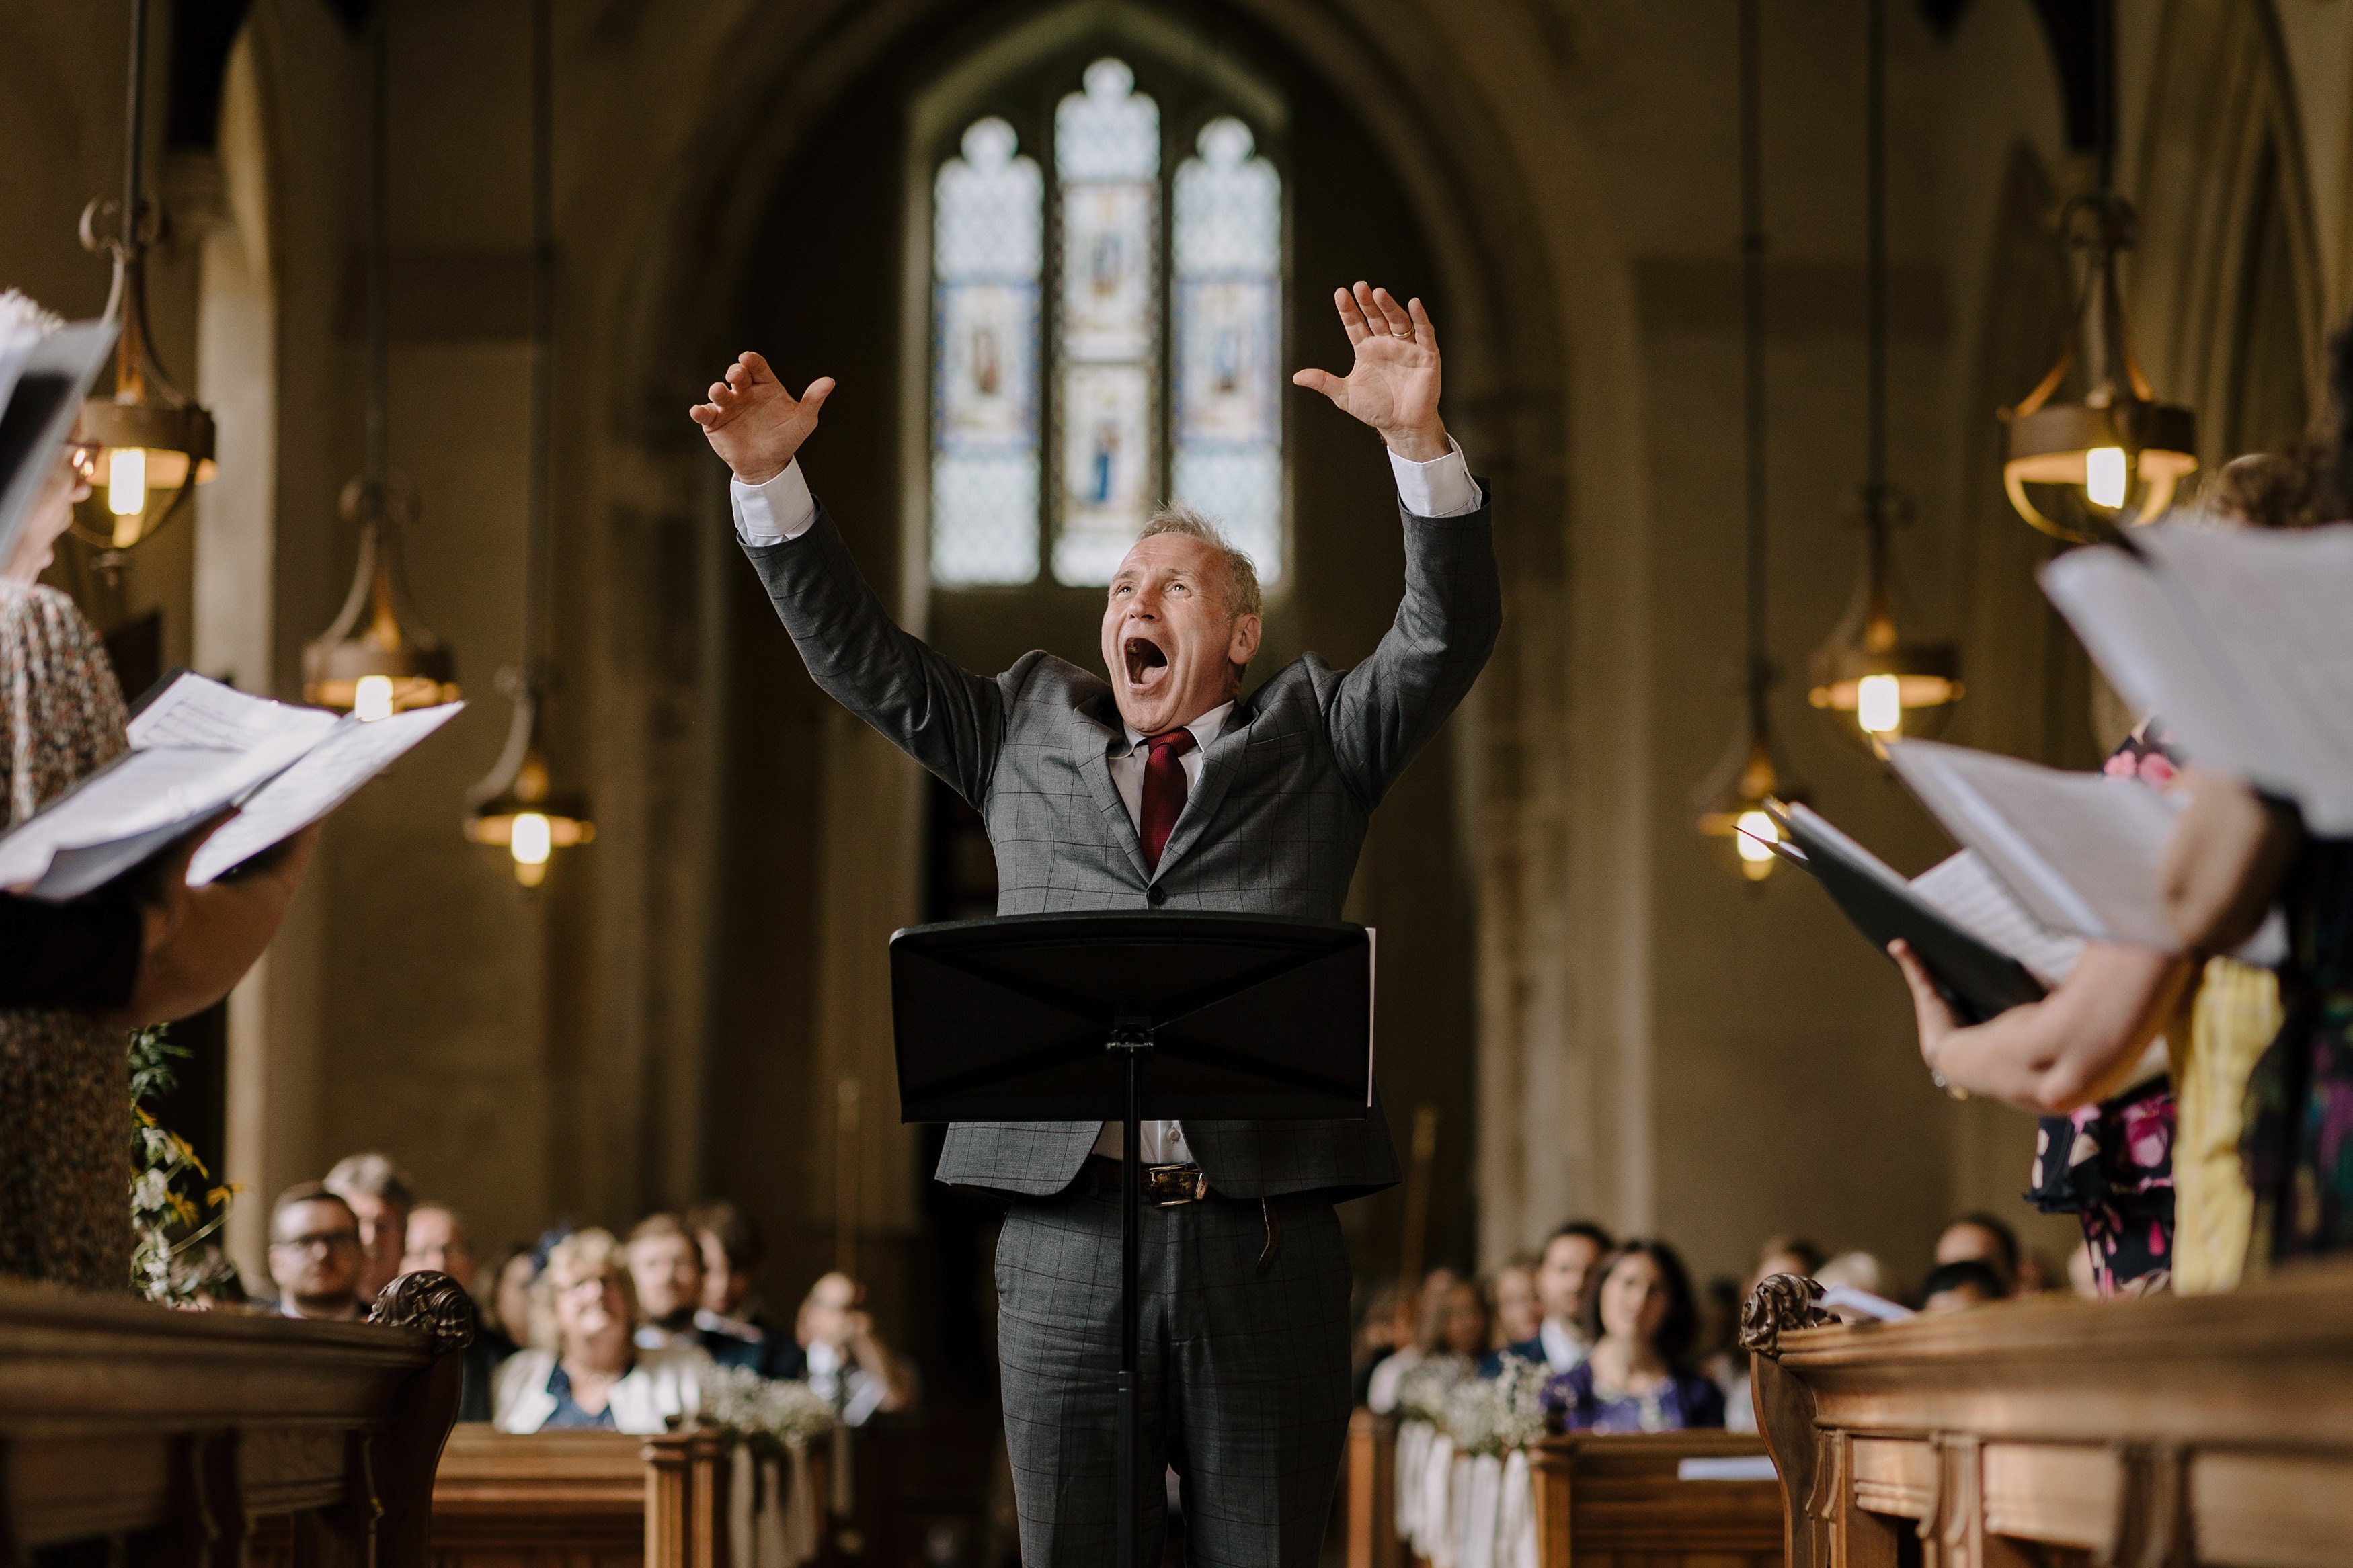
84,456
320,1241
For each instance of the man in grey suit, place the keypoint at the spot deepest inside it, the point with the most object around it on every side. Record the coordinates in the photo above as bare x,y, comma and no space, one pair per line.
1159,783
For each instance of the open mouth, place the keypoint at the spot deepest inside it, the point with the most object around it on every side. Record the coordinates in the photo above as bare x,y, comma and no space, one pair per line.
1145,657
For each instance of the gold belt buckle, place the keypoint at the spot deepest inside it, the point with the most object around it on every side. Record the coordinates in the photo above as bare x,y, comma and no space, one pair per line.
1168,1186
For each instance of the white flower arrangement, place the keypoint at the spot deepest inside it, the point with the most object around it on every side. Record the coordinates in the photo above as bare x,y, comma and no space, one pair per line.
1501,1414
1422,1392
789,1412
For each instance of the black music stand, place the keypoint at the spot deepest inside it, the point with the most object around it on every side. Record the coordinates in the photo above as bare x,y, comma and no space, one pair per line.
1055,1018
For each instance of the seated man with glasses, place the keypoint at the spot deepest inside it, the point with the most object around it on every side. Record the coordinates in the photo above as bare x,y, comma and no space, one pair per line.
314,1255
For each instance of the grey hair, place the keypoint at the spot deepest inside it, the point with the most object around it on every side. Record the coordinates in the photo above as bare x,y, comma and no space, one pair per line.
372,1176
1243,597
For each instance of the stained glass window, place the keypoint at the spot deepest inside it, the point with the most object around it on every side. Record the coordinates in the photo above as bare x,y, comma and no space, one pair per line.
985,258
1107,159
1008,497
1229,315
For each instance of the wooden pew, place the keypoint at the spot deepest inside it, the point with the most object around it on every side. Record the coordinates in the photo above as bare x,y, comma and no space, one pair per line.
587,1500
554,1499
1601,1501
2206,1430
1616,1501
174,1433
1371,1481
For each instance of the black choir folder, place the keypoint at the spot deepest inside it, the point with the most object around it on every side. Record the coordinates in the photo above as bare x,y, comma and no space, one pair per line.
43,381
1978,978
199,748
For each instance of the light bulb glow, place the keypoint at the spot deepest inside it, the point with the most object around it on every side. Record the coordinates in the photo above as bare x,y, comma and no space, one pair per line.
1754,835
371,698
2106,476
126,480
1879,704
529,840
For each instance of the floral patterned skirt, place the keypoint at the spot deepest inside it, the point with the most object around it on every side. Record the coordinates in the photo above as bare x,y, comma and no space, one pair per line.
2111,1165
64,1150
2298,1138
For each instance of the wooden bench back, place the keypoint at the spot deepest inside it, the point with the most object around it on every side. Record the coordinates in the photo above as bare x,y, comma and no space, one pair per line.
2210,1430
1600,1501
180,1432
1620,1502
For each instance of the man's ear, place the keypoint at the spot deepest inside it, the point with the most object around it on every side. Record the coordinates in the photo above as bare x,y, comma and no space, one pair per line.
1241,646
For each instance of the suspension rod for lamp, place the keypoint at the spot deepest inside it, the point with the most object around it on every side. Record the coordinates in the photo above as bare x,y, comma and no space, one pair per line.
1875,274
379,262
1752,278
542,335
135,123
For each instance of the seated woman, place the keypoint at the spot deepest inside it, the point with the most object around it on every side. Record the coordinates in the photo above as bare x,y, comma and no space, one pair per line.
1641,1319
582,1370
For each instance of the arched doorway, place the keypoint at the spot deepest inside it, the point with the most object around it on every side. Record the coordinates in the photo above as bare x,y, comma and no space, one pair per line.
811,207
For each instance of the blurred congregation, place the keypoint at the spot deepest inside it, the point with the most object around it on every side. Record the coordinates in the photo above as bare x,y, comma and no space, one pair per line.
576,1329
1625,1340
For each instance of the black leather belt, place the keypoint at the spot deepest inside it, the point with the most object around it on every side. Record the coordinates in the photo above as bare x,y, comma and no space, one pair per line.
1172,1186
1165,1186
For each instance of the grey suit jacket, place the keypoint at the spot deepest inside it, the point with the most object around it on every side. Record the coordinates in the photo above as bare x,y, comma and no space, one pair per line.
1273,827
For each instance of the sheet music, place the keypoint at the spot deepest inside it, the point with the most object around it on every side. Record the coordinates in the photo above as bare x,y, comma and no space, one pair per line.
1857,1303
1965,890
2237,639
194,712
2079,850
329,775
139,794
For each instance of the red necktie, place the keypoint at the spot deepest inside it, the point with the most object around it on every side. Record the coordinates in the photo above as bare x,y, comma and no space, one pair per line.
1164,788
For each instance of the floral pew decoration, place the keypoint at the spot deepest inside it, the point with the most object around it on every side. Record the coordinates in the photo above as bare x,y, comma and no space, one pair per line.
774,1517
1465,1496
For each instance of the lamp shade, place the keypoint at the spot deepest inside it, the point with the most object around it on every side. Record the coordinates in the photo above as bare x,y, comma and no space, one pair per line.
158,442
1730,802
377,658
514,808
2080,470
1880,684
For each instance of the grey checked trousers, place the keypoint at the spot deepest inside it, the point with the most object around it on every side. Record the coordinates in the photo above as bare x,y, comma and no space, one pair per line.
1244,1378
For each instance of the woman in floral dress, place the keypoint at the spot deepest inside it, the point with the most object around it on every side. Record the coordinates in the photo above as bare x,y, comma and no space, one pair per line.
65,1089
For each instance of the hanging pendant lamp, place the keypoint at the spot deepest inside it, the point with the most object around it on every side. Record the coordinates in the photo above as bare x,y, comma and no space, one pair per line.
1730,803
158,440
516,806
1879,685
378,658
2114,457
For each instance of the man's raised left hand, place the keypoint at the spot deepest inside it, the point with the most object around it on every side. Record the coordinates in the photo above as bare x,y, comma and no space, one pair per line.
1393,385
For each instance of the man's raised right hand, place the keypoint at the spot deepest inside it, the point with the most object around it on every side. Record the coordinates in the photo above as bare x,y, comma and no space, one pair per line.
754,424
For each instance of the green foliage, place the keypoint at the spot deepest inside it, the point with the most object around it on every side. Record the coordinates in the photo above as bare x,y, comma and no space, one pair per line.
175,1204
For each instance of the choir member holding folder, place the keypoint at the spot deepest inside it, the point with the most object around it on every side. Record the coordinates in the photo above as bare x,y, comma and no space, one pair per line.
2188,899
126,940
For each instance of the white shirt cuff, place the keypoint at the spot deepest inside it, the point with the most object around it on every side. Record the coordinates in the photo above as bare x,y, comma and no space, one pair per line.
1441,488
780,509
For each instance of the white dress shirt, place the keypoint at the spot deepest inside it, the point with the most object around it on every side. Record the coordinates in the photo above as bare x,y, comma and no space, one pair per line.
853,1392
1563,1348
782,509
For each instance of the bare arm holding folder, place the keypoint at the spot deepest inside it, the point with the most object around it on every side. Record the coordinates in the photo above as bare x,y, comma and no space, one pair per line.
2075,1046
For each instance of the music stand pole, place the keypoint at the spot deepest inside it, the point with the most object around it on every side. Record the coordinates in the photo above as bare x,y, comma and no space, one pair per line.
1131,1039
